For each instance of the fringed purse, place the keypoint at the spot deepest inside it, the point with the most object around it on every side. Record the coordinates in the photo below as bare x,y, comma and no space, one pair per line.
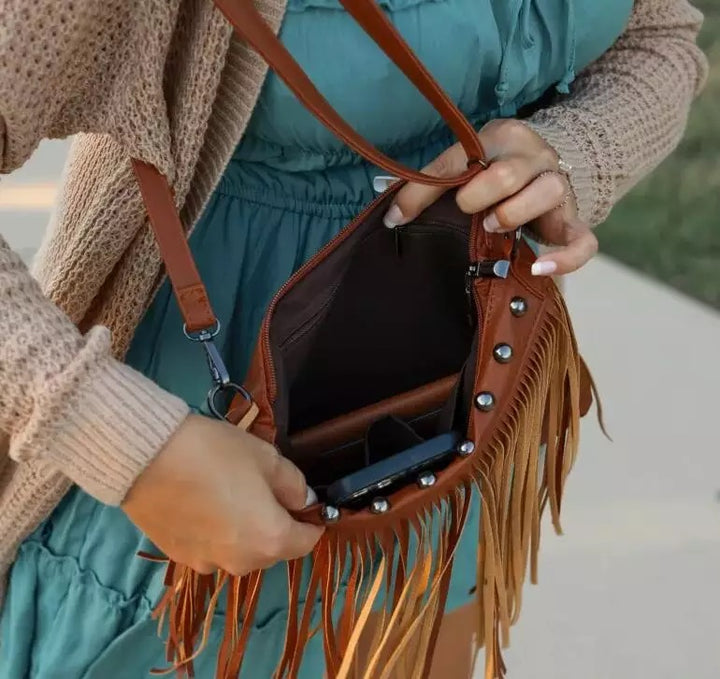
433,327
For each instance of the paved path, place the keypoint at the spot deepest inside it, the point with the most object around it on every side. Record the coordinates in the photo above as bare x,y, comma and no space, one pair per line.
633,589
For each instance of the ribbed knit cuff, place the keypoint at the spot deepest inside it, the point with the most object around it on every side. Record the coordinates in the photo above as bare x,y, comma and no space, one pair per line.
100,422
569,149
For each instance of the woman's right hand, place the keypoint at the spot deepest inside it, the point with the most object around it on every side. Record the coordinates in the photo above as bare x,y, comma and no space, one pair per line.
218,497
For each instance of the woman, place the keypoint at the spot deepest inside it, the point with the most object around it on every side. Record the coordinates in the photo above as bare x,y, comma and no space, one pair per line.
103,458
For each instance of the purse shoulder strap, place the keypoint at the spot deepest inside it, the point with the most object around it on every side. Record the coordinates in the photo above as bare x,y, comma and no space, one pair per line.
190,292
249,24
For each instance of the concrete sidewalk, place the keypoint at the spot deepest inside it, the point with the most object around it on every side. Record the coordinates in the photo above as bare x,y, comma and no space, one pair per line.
633,589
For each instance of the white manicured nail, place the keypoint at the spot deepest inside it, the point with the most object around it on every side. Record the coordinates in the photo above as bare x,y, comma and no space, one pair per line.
543,268
393,217
311,497
491,223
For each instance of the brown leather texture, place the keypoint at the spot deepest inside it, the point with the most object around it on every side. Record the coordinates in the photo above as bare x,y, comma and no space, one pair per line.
498,325
538,395
179,263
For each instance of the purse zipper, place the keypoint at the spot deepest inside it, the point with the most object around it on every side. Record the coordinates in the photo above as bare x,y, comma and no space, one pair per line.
491,268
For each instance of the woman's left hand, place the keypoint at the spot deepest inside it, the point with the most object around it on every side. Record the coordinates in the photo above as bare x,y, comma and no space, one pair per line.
522,186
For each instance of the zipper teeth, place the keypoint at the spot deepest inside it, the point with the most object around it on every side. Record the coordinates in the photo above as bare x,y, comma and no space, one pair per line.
308,325
304,269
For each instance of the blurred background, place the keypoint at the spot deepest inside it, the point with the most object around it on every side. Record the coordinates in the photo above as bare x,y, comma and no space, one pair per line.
633,589
669,226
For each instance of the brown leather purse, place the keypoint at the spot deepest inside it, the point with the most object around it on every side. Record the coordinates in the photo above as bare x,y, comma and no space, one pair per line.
436,322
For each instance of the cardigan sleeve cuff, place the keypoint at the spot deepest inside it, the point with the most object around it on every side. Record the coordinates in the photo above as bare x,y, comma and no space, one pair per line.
99,421
581,178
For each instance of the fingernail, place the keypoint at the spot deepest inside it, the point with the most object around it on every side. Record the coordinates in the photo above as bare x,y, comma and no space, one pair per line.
311,498
544,268
491,223
394,217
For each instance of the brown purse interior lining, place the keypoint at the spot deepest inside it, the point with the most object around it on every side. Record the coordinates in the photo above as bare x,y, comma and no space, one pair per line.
385,313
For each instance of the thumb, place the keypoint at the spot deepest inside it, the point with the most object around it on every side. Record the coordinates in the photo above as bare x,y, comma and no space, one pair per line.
288,484
413,198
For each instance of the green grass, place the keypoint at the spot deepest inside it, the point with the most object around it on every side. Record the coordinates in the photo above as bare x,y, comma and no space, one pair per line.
669,225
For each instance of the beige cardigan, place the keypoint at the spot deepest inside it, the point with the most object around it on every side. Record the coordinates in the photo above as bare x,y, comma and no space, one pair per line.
163,80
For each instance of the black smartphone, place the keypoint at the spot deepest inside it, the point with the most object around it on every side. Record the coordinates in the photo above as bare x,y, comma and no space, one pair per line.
395,470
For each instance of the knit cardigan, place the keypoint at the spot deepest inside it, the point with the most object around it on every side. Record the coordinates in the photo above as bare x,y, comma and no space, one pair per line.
165,81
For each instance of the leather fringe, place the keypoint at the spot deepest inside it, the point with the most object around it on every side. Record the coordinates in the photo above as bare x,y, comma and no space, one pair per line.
518,477
383,623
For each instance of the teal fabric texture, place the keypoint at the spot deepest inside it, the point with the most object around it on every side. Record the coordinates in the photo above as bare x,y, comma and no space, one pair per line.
79,600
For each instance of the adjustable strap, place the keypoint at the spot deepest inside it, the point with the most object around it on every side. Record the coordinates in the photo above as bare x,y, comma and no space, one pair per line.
189,289
201,325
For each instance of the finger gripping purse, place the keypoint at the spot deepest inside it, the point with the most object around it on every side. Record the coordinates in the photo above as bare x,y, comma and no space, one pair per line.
384,339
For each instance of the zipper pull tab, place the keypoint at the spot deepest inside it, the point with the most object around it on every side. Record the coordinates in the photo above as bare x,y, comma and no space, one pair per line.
382,183
488,268
501,268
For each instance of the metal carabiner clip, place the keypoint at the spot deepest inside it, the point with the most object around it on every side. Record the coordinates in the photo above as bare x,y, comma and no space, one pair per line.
218,370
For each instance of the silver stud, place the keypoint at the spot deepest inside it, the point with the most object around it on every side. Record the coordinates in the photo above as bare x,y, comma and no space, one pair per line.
485,401
466,448
502,353
518,306
330,514
379,505
426,480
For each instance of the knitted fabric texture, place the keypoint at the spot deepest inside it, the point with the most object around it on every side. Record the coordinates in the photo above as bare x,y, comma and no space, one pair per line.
165,81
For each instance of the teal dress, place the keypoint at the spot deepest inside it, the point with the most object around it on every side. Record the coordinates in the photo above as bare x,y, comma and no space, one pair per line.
79,601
